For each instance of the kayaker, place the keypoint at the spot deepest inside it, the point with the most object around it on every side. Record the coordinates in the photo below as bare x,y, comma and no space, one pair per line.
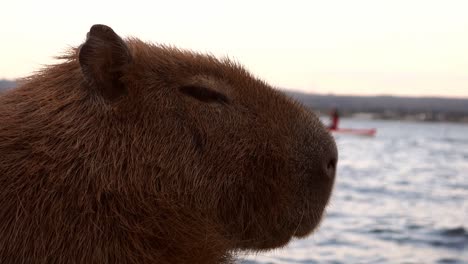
334,119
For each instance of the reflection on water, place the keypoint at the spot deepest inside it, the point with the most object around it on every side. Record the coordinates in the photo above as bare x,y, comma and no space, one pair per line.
400,197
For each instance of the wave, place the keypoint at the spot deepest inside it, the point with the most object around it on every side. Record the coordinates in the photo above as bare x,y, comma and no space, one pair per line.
456,231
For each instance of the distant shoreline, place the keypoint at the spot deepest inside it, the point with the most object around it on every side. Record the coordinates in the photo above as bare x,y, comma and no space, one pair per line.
424,109
409,118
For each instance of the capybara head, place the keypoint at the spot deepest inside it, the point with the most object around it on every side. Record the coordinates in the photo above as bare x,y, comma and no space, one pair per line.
128,152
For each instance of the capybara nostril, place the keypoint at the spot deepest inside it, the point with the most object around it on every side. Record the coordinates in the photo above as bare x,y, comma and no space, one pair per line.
331,168
330,159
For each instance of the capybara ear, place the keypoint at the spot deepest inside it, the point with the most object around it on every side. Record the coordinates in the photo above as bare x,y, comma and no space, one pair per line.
103,58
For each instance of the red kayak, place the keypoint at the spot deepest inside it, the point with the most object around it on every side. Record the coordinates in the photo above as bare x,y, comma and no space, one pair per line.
352,131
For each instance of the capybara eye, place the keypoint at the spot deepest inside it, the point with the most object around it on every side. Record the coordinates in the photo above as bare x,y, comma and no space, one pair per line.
204,94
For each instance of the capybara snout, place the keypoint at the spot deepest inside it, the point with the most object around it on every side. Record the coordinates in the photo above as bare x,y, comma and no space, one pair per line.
130,152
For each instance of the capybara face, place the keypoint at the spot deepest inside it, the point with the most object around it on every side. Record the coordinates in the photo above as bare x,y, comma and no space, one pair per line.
160,149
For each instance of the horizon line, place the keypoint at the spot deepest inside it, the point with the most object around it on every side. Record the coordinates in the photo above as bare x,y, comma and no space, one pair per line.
375,95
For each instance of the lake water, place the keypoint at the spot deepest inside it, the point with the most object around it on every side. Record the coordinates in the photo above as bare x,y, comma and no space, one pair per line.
400,197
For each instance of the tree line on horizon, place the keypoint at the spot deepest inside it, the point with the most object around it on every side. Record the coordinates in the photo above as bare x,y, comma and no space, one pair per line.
6,84
389,107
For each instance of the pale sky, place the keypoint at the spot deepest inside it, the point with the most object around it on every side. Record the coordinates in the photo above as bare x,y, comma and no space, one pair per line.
361,47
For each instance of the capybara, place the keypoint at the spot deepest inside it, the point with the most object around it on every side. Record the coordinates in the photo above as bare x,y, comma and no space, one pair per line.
129,152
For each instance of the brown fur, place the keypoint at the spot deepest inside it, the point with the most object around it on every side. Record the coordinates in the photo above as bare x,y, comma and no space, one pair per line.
127,152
